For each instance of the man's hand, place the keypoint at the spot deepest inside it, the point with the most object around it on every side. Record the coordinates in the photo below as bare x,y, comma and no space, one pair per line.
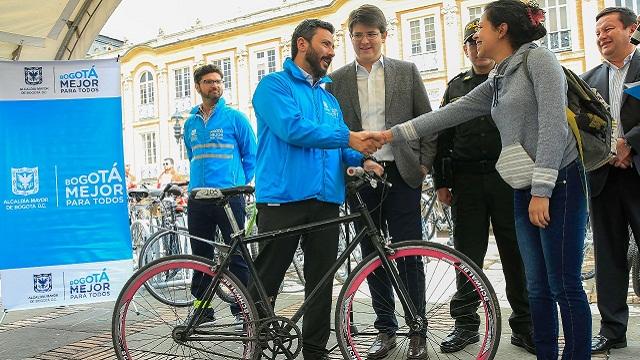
370,165
539,211
444,196
623,154
367,142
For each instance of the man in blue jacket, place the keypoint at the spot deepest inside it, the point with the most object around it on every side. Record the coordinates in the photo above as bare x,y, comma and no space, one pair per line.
221,147
303,147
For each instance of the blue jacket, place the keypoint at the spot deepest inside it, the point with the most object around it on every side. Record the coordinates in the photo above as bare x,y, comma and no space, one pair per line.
303,142
222,153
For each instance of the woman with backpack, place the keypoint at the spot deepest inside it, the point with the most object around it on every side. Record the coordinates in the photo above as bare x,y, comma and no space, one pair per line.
539,159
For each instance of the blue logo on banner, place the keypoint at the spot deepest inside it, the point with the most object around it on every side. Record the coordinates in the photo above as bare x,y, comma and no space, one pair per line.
33,75
42,283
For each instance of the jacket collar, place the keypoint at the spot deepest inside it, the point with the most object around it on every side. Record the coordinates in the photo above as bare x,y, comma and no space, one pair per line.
219,105
294,71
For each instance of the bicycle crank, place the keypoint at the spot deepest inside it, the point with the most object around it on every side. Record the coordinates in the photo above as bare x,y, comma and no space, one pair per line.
279,336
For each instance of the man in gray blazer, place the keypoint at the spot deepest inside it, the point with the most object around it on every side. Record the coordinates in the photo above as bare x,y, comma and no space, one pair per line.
376,93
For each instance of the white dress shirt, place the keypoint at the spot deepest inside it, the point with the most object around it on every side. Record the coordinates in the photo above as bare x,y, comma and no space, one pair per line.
616,88
371,94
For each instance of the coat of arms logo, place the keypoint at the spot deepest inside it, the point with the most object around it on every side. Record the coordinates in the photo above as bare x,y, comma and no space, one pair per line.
42,283
33,75
24,181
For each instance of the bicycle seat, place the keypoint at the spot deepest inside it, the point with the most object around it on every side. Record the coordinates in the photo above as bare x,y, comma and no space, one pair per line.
219,194
138,194
155,193
174,190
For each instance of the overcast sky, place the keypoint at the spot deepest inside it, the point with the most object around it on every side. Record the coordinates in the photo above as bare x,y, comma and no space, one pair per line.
139,20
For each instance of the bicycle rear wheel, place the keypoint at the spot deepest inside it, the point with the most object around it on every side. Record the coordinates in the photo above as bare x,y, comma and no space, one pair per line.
442,267
145,328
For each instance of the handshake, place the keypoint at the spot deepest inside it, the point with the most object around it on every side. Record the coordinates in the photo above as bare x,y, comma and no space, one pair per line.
368,142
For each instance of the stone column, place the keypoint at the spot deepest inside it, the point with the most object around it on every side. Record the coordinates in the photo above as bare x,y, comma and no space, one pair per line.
591,54
392,45
243,80
452,47
128,117
165,110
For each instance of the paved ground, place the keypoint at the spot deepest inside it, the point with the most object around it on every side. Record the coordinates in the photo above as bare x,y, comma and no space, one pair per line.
83,332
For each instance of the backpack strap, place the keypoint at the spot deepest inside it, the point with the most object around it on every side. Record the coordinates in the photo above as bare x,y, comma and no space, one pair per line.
570,115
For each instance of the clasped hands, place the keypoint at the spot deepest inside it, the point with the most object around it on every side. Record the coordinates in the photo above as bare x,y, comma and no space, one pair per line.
368,142
623,155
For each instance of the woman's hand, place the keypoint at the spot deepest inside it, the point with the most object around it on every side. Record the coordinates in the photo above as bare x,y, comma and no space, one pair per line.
539,211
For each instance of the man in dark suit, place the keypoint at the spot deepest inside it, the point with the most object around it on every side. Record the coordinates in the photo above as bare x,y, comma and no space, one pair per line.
615,188
375,93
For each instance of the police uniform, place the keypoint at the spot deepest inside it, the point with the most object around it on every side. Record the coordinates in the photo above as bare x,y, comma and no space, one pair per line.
465,163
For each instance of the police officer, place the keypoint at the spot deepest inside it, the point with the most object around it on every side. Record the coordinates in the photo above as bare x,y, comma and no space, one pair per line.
465,163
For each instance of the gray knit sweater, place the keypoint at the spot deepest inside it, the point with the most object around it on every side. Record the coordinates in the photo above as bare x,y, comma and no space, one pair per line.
531,112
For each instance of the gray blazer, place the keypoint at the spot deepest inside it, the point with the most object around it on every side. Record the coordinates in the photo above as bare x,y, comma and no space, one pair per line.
405,99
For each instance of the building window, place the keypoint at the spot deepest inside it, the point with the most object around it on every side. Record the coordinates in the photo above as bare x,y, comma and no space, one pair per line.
146,109
429,34
150,147
183,89
630,4
557,23
475,12
423,36
225,65
183,82
416,41
265,62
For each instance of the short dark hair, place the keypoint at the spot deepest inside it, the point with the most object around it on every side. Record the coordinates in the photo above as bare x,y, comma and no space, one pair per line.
203,70
170,160
306,29
369,15
518,16
627,16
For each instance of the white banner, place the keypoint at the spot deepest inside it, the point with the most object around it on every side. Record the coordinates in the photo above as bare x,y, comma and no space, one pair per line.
48,286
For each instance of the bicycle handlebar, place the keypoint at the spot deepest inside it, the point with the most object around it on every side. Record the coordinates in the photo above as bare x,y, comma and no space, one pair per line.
368,176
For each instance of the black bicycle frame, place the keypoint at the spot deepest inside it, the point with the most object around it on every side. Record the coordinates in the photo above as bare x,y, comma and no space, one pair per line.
369,229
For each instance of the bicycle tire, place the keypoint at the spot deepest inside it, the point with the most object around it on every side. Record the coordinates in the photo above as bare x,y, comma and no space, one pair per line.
146,255
144,328
155,249
353,322
428,224
139,235
588,269
635,275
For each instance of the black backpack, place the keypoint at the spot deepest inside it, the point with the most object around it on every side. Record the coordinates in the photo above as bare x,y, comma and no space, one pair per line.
589,120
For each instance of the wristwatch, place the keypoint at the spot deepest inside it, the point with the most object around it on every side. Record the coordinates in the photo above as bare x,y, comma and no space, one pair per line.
368,157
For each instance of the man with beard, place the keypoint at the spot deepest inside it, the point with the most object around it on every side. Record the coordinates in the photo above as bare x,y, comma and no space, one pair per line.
303,147
376,92
221,147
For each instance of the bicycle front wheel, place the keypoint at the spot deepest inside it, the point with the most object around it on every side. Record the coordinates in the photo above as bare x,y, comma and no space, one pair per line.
438,272
145,328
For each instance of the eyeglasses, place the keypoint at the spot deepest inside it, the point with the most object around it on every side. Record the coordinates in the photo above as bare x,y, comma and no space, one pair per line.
166,164
211,82
370,35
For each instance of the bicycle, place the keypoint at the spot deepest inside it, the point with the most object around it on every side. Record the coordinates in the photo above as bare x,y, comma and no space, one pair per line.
435,215
153,329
